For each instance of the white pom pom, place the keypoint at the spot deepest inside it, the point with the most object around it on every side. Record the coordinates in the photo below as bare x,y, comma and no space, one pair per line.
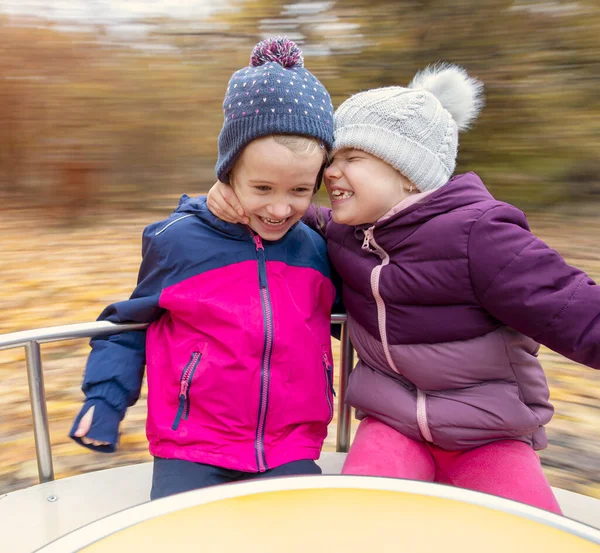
460,94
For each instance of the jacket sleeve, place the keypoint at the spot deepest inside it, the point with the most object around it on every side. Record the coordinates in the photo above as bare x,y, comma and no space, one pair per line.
317,218
528,286
338,304
115,366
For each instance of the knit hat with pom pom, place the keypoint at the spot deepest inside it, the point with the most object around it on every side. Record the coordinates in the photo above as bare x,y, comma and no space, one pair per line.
273,95
414,129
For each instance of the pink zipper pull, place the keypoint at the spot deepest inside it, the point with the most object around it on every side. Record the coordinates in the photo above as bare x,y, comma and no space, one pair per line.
366,245
258,241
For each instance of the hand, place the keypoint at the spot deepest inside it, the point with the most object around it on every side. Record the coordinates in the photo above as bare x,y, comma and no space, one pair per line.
223,202
84,427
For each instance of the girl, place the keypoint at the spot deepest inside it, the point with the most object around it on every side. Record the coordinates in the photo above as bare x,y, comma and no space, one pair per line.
448,296
238,354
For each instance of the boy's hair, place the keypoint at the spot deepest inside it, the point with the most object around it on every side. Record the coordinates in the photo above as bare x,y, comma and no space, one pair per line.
413,129
300,144
274,95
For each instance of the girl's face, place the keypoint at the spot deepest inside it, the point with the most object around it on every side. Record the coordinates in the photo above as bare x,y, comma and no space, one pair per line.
275,185
362,188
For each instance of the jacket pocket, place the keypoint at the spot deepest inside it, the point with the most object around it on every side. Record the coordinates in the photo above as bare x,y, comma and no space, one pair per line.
185,385
329,389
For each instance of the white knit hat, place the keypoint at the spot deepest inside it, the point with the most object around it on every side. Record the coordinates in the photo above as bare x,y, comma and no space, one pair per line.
414,129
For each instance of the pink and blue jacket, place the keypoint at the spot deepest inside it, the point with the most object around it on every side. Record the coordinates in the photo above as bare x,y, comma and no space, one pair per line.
238,352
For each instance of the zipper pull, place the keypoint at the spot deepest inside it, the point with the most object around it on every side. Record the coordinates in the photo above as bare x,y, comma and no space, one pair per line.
183,394
366,239
367,245
370,245
258,242
329,370
262,264
179,412
183,389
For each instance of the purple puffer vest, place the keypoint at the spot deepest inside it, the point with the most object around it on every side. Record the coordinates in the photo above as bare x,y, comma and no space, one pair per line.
447,302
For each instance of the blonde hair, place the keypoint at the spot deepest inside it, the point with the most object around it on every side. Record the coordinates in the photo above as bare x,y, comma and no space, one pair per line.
299,144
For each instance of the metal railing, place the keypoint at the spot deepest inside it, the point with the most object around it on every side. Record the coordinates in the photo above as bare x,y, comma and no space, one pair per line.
31,340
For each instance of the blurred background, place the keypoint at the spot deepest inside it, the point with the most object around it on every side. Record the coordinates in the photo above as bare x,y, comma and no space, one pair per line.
110,110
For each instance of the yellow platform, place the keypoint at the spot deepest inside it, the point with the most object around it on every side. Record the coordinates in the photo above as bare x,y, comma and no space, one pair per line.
326,514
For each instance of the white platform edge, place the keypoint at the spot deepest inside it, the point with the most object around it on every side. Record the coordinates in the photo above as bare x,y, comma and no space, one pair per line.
30,520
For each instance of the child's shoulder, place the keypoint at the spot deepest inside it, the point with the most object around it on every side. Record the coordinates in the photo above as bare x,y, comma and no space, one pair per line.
305,232
191,219
496,211
174,225
479,198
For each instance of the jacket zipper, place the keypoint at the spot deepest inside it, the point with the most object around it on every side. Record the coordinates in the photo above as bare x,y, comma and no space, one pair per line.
422,415
265,370
370,245
329,389
184,388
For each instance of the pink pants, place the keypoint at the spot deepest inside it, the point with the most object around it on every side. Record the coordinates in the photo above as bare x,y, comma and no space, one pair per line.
507,468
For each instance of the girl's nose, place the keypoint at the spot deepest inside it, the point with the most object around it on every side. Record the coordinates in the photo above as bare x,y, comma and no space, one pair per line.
332,172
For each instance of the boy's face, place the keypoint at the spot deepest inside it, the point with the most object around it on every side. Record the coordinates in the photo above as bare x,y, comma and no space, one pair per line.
362,188
275,185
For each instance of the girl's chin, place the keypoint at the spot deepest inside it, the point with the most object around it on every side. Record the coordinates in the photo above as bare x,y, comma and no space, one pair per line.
341,215
346,217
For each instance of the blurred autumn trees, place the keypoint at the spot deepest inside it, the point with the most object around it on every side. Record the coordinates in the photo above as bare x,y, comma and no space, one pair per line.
94,114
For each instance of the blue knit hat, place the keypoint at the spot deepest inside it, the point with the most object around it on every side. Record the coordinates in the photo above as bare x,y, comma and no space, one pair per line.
273,95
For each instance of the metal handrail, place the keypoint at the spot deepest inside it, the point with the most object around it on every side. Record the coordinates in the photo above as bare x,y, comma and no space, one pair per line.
31,340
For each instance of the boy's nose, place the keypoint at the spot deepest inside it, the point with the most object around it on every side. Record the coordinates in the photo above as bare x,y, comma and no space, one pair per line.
279,210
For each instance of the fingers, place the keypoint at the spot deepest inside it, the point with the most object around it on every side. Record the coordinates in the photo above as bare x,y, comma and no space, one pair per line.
223,202
217,204
221,209
84,427
232,199
85,423
87,441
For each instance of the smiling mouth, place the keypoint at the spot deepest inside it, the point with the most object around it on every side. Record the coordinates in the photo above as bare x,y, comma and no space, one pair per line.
273,222
341,194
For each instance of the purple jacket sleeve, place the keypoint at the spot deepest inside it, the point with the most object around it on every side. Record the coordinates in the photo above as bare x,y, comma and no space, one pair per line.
528,286
317,218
